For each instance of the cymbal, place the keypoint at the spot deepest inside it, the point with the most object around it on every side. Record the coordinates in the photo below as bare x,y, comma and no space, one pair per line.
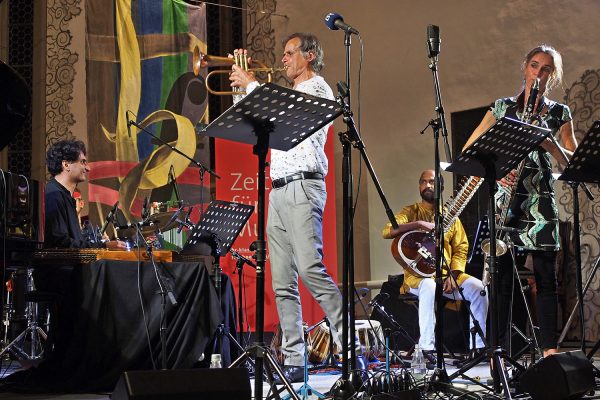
164,221
15,102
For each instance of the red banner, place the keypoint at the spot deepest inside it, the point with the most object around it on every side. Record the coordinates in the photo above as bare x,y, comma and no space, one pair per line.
238,168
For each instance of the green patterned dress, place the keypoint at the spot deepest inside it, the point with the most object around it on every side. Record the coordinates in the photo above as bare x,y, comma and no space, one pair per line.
533,208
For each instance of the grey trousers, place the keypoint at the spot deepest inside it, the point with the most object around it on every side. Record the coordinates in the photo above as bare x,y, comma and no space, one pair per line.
295,238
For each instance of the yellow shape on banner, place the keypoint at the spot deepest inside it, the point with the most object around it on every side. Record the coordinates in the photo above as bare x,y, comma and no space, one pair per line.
130,88
154,171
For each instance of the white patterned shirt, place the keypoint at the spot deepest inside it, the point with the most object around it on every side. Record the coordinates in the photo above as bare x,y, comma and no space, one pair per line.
309,155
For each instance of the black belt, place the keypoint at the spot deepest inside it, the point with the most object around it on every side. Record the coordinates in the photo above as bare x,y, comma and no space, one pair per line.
281,182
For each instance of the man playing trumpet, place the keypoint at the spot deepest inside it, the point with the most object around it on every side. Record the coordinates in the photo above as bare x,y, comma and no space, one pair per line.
296,204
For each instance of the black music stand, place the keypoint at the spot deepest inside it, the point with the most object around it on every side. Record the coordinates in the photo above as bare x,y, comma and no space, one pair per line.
220,225
218,228
583,167
275,117
493,155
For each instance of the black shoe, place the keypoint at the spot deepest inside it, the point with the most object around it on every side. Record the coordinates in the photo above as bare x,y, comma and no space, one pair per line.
292,374
430,359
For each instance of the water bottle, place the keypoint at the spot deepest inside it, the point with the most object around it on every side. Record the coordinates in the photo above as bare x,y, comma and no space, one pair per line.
417,364
215,361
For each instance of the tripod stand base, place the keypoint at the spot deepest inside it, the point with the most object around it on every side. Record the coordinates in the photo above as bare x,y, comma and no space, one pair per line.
342,390
261,355
37,337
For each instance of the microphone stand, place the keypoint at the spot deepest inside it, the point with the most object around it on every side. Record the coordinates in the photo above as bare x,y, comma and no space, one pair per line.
439,124
344,388
577,238
239,266
202,169
164,289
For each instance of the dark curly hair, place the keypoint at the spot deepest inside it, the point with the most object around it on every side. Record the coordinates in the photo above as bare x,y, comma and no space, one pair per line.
67,150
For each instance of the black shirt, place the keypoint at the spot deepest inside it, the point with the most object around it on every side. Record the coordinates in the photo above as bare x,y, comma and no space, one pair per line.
61,228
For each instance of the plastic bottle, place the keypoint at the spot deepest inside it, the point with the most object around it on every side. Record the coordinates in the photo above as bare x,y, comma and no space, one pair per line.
215,361
417,364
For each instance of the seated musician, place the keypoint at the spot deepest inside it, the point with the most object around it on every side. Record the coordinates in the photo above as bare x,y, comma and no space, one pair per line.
67,163
420,216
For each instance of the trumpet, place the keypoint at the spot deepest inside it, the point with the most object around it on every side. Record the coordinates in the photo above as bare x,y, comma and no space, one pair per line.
200,60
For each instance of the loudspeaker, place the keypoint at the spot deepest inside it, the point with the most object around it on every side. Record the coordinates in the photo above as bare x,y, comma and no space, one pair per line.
184,384
560,376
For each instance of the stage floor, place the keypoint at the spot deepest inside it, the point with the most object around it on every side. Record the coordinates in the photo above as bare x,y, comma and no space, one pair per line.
321,382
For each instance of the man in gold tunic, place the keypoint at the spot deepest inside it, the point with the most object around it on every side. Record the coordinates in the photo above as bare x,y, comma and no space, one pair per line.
420,216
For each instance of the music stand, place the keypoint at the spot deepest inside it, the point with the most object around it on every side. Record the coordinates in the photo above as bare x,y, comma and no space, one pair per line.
275,117
220,225
583,167
493,155
218,228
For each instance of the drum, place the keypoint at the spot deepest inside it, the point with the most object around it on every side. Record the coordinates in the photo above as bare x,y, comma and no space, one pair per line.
371,338
18,313
318,344
275,346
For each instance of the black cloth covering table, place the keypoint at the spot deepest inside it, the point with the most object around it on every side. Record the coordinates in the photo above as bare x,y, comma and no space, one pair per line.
109,334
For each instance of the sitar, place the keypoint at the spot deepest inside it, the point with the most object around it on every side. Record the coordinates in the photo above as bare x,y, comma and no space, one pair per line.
415,250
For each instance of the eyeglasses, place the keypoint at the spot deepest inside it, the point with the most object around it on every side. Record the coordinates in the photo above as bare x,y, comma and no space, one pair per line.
290,53
82,161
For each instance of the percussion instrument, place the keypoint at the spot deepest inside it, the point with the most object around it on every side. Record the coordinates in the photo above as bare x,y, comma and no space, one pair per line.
275,346
318,344
371,338
84,256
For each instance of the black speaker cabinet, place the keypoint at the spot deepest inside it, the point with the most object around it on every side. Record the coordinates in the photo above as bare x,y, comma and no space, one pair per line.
560,376
184,384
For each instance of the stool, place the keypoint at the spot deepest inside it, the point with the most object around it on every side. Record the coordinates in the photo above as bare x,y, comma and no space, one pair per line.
413,300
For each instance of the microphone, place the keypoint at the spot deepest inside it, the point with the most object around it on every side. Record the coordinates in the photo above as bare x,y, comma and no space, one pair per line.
129,122
134,224
335,21
145,210
173,182
509,229
109,218
433,40
186,220
240,257
174,217
362,292
381,297
533,94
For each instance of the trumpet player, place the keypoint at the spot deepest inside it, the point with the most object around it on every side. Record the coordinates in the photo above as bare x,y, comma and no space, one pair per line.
533,209
296,205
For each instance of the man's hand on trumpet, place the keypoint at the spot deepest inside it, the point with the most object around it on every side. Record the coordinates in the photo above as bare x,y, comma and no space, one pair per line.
239,75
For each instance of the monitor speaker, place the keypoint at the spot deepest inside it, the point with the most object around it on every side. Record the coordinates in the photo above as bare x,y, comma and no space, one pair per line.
184,384
560,376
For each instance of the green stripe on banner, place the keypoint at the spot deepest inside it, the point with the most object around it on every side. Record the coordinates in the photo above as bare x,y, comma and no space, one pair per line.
175,20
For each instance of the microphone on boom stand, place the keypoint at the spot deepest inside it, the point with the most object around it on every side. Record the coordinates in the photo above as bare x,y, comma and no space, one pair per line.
109,218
